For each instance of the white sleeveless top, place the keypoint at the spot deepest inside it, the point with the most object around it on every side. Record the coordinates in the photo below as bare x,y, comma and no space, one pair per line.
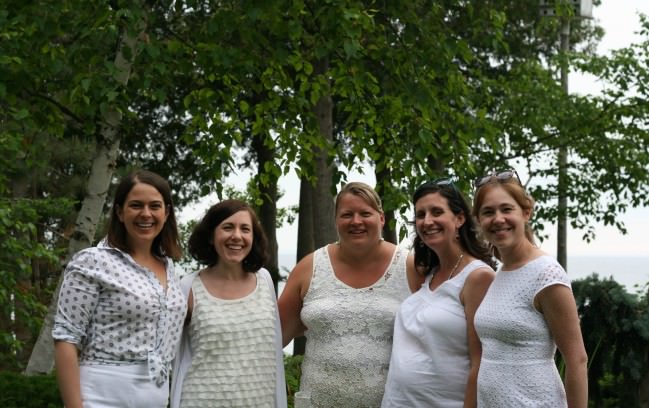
430,352
517,368
349,334
233,347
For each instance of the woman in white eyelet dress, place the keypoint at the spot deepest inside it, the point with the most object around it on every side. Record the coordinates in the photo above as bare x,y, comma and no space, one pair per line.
343,297
528,312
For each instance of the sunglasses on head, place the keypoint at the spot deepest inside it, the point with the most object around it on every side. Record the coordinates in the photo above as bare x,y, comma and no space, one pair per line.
440,182
500,176
446,181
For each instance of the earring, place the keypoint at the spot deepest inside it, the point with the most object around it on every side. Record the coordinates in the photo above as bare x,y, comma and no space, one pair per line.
457,234
421,244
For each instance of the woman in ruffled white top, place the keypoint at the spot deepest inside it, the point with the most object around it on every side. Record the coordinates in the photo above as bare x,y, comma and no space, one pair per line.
528,312
436,352
231,352
343,297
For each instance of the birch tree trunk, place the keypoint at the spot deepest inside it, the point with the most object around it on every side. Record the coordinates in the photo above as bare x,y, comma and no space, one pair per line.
101,173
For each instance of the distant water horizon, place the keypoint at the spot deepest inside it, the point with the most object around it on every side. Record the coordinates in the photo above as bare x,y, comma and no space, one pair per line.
630,271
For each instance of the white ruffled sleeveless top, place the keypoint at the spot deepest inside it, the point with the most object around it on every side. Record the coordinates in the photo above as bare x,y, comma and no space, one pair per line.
233,344
349,335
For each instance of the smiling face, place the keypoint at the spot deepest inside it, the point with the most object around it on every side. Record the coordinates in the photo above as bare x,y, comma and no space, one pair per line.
502,219
233,237
143,214
435,223
357,221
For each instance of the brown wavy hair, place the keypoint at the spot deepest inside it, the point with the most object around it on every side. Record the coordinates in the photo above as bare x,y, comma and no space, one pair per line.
201,247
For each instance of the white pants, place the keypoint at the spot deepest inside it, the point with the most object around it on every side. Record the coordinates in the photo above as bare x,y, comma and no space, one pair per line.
124,386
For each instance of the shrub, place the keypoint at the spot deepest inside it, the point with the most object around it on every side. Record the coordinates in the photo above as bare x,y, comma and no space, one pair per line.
292,371
21,391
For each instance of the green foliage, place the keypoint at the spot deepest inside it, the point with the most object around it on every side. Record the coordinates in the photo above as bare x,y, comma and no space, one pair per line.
20,391
615,327
292,372
21,251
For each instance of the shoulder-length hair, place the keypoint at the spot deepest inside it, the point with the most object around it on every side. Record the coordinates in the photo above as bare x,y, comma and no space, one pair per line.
201,241
167,242
426,258
515,189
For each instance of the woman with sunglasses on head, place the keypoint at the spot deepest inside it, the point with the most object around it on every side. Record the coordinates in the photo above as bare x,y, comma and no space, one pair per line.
343,297
120,308
231,351
435,351
528,312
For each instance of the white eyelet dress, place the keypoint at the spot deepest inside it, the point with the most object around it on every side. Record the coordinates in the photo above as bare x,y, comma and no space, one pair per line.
517,368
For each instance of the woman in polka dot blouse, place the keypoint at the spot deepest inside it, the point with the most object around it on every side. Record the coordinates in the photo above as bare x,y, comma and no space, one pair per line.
120,309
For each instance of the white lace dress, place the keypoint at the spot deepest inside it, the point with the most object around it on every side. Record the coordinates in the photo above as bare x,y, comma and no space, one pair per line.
517,367
349,336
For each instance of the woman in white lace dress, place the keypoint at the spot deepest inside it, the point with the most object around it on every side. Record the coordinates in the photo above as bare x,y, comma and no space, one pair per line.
343,298
231,352
436,351
528,312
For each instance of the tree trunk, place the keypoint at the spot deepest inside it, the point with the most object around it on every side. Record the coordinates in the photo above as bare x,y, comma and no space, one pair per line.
305,241
101,173
322,203
268,209
383,177
324,230
643,392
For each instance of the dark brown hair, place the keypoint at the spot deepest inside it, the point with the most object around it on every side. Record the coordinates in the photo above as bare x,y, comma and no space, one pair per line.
201,246
425,257
166,243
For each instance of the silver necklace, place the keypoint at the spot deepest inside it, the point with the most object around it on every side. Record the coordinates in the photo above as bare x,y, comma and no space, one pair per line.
457,263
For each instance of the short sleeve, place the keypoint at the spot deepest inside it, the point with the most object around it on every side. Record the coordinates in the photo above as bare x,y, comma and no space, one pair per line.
77,299
552,273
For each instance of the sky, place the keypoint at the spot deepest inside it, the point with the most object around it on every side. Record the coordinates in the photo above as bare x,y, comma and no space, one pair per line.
620,20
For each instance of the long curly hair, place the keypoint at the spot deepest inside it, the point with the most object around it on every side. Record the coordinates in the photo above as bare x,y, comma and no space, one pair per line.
425,258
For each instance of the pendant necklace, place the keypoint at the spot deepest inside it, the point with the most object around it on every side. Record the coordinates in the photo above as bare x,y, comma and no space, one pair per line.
457,263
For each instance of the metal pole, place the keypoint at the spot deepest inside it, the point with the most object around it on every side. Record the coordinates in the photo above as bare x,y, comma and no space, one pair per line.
562,157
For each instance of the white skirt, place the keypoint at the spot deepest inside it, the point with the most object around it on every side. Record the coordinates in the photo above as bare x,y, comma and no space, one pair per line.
124,386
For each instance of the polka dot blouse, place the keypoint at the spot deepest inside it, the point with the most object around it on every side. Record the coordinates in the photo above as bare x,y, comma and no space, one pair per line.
117,311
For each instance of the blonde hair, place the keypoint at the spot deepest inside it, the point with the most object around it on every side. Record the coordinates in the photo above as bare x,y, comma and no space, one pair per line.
362,190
